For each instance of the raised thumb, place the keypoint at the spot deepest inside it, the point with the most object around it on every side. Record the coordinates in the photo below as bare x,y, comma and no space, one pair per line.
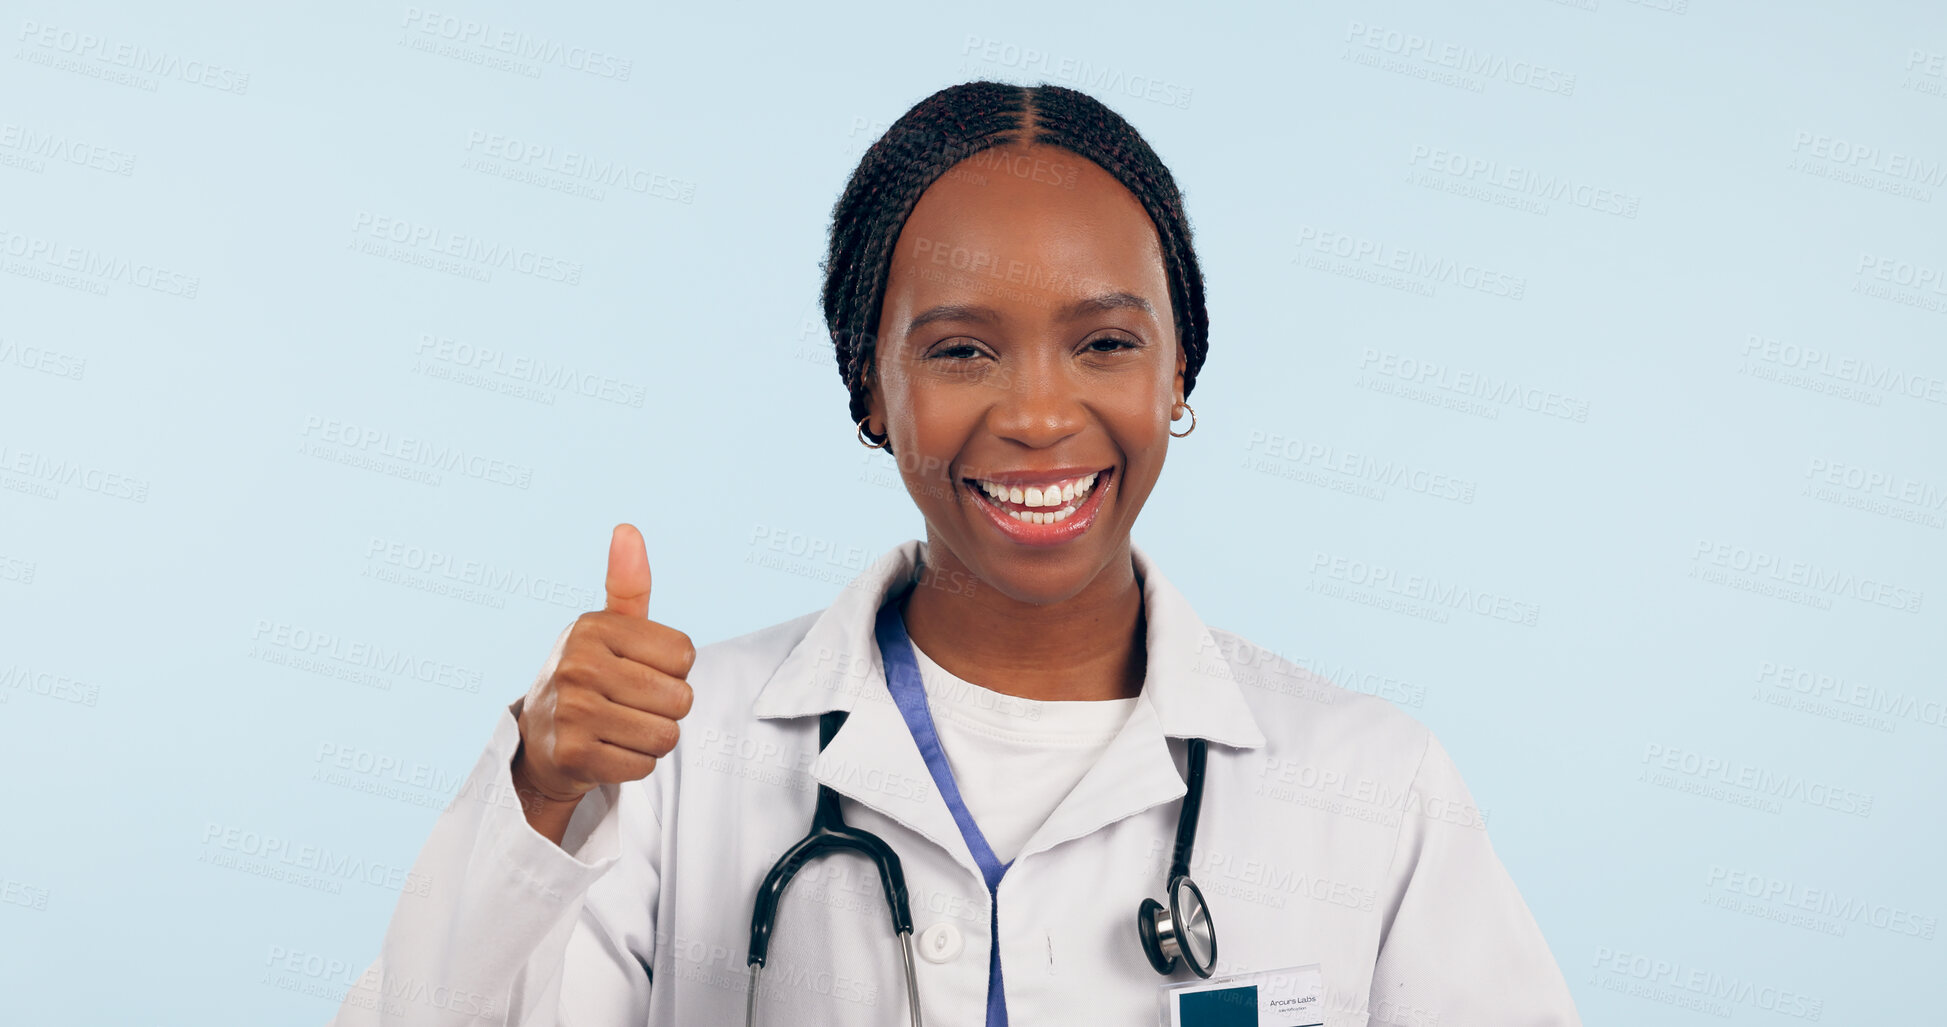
628,572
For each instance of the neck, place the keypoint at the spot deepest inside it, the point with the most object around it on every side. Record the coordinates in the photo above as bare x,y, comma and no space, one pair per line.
1089,646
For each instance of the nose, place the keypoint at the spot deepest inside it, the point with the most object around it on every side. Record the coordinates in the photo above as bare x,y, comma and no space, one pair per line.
1040,406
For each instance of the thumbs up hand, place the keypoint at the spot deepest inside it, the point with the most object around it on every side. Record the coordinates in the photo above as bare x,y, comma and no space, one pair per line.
609,710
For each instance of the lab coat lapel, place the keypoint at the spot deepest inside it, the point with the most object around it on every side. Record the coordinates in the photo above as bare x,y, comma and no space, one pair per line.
873,759
1133,774
1188,692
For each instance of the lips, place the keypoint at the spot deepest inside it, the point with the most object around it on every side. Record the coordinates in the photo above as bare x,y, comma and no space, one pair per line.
1042,508
1045,502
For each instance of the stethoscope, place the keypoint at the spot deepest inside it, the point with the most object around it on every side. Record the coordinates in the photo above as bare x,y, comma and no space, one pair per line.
1179,931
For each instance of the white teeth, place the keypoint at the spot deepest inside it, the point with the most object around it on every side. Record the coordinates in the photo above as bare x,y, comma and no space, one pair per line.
1066,495
1042,517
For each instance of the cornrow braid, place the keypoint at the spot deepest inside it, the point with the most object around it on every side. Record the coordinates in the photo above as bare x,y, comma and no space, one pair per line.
947,128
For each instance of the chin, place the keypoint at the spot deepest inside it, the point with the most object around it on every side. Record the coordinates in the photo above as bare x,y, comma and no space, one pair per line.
1040,576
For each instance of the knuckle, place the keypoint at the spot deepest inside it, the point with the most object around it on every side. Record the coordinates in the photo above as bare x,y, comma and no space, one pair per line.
685,699
571,706
576,669
685,651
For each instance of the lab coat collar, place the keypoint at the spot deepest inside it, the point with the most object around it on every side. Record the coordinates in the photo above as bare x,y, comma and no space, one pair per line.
1187,692
1187,681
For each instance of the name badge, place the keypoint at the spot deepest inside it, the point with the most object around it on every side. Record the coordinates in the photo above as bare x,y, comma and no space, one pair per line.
1269,998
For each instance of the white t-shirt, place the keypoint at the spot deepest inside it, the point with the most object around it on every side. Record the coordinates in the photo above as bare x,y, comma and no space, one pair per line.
1015,759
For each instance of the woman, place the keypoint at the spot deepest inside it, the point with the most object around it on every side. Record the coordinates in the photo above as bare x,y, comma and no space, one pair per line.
1020,319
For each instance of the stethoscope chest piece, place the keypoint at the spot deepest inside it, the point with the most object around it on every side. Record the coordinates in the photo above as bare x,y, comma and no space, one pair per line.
1180,931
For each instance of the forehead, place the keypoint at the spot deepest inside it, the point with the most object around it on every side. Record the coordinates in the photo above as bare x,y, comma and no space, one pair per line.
1025,229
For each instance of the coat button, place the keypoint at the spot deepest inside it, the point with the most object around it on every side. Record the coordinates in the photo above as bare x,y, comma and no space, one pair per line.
940,942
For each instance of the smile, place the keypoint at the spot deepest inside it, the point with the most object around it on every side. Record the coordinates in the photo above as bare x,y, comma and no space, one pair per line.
1042,509
1031,503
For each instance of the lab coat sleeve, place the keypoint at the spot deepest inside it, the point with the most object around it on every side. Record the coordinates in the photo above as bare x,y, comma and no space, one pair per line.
1458,944
496,923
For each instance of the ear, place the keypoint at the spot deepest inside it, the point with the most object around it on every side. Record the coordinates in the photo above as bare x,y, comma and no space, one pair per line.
1182,363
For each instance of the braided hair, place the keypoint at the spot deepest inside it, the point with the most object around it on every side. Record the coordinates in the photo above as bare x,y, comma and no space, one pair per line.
950,126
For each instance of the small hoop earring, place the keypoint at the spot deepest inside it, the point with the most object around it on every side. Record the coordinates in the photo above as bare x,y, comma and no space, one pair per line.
862,440
1193,420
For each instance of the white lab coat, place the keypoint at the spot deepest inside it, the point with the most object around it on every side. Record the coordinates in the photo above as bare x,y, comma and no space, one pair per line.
1335,830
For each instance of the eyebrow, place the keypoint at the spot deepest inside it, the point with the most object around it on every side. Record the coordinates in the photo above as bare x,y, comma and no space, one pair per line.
986,315
1104,303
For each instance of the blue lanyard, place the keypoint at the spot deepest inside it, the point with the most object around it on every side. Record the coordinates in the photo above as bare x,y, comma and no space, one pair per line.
909,694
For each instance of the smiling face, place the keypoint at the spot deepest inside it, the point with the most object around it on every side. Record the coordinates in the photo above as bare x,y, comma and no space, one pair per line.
1026,342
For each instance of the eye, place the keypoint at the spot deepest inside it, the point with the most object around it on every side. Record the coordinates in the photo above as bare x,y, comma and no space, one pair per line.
1111,344
955,351
960,351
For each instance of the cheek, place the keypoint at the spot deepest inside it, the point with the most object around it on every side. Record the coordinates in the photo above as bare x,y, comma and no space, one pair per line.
1147,401
933,425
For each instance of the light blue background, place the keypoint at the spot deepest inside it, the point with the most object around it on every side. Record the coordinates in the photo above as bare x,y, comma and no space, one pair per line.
146,714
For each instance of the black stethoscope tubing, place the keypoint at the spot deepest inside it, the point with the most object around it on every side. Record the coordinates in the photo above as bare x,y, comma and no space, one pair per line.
1162,929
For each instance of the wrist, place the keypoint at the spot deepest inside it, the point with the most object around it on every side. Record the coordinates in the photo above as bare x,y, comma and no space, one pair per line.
533,797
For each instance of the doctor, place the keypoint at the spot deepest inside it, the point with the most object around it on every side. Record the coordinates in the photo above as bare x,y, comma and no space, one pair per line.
1020,319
